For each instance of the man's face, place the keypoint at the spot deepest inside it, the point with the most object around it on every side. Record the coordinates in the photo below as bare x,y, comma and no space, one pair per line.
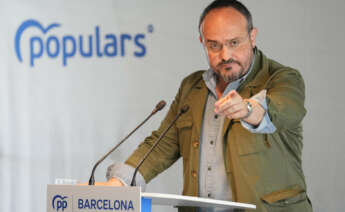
228,44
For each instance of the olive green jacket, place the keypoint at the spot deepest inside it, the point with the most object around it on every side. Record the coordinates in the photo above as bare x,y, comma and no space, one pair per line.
263,169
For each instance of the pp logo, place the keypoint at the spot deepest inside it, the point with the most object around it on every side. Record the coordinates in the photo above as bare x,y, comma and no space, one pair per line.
59,202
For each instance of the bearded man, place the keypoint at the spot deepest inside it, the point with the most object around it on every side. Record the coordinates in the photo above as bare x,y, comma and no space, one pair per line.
241,139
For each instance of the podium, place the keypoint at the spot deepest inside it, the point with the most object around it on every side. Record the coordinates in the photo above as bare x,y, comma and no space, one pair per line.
76,198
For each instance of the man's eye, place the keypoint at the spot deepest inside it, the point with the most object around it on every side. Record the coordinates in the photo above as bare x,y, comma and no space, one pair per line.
214,45
234,43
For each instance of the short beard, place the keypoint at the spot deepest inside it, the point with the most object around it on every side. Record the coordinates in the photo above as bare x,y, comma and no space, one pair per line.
233,76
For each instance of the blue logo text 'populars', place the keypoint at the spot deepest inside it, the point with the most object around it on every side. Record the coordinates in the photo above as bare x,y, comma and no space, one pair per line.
65,47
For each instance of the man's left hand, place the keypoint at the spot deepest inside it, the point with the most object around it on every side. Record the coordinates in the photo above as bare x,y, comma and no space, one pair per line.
233,106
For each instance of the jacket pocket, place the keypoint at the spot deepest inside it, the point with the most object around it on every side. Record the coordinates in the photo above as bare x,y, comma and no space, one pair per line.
285,197
250,149
184,123
250,143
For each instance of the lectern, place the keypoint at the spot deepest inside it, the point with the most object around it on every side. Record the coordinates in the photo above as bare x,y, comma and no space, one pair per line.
76,198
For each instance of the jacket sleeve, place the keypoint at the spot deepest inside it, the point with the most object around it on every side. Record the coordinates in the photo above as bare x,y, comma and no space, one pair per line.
165,153
285,98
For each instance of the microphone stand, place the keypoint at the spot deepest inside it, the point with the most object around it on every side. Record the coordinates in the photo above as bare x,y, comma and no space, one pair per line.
158,107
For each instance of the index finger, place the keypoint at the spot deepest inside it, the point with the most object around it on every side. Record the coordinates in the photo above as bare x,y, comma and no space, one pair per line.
229,96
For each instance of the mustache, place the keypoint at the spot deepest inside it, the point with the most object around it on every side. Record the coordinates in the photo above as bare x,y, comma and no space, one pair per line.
224,62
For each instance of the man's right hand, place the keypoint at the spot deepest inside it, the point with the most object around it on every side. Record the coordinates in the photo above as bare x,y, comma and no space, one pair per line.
112,182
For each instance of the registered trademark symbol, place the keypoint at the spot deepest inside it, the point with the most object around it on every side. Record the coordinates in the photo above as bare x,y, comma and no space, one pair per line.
150,28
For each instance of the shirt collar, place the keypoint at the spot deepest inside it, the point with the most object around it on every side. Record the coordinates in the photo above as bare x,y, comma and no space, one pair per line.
210,80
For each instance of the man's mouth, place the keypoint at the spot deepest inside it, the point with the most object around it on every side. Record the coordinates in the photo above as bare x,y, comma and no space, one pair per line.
228,68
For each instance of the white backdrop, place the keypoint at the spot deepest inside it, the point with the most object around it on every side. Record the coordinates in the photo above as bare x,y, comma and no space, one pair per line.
56,120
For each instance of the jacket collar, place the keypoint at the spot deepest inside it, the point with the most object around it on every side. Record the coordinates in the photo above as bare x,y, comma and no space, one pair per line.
259,72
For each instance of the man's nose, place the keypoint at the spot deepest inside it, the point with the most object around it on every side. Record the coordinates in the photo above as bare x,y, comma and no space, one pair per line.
225,53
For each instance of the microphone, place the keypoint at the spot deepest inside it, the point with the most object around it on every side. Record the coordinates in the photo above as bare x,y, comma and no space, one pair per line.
158,107
182,111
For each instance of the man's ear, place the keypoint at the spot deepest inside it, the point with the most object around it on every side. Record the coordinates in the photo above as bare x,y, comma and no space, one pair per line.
253,34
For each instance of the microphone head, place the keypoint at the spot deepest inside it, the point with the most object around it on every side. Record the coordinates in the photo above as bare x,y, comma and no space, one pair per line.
160,105
184,109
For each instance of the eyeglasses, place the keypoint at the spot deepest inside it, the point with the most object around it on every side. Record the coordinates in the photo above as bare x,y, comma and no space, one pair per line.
215,46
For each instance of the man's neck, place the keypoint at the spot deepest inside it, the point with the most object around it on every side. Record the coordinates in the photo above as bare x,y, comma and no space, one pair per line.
220,87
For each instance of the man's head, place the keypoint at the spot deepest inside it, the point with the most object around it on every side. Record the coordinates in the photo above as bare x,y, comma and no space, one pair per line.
227,33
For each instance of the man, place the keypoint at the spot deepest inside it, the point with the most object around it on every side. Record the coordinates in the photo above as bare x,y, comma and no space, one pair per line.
241,139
